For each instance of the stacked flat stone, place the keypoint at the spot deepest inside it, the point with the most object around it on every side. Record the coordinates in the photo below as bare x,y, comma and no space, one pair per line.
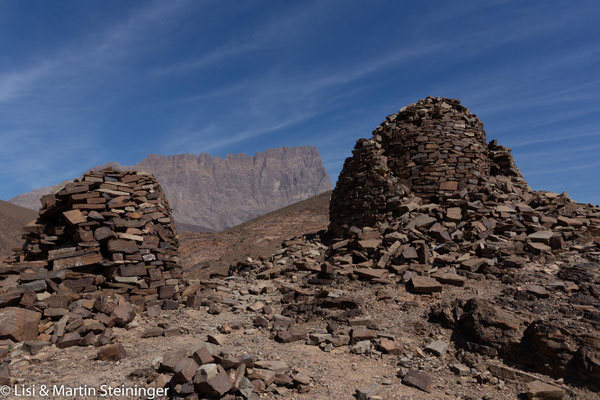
367,191
101,241
467,213
436,145
432,149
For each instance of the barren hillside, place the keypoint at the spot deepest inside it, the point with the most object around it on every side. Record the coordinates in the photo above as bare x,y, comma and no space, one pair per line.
12,219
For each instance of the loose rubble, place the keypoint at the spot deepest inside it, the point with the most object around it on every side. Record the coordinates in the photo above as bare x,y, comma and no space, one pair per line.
440,265
218,373
427,204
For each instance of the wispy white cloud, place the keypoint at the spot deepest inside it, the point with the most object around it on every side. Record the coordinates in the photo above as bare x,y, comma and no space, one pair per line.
98,51
19,82
311,88
565,169
560,136
272,34
45,134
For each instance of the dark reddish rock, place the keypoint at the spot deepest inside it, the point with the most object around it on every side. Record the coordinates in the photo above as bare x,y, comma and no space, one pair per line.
74,217
360,334
185,369
103,233
202,356
419,379
291,335
425,285
152,332
113,352
123,315
390,347
122,246
77,261
19,324
69,340
537,390
214,383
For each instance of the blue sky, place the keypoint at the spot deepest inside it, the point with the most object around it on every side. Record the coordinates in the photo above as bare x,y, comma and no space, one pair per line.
87,82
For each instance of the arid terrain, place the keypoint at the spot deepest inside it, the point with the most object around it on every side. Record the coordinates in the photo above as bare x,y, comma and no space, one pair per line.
213,253
432,271
334,373
211,194
12,219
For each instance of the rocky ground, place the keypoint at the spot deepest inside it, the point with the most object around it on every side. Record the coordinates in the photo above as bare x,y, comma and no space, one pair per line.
441,275
384,333
204,254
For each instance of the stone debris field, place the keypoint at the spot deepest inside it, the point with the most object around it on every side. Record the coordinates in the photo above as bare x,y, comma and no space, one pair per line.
442,275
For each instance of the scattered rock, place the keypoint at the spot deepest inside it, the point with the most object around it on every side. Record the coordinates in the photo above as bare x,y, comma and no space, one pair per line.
113,352
34,347
368,392
425,285
19,324
418,379
152,332
438,347
537,390
460,369
4,374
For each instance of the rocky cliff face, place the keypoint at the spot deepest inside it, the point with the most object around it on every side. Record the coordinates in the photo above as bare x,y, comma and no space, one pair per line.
216,193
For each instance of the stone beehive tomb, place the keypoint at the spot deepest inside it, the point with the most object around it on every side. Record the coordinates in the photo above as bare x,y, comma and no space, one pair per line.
428,204
104,240
432,149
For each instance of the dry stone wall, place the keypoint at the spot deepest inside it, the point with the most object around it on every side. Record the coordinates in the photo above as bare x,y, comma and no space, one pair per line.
432,149
101,243
427,203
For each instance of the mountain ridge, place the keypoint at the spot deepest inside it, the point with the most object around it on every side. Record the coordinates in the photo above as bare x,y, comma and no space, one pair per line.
215,193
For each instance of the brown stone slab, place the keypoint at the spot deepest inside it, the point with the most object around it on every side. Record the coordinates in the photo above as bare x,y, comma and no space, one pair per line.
425,285
77,261
85,206
74,217
419,379
449,278
122,246
19,324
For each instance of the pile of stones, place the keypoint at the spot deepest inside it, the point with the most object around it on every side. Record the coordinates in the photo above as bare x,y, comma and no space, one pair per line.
428,244
433,149
428,204
102,245
216,373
